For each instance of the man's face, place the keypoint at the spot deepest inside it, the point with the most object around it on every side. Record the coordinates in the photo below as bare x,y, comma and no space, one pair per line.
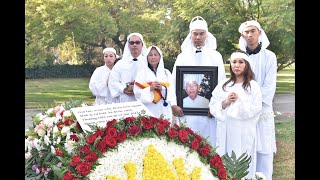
198,37
251,35
192,89
135,45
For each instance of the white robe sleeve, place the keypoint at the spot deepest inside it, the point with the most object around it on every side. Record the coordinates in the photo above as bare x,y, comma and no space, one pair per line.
215,104
248,105
268,86
98,82
116,87
143,95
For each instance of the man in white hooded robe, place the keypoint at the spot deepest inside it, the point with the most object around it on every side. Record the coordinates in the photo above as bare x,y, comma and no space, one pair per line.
254,41
124,71
192,84
198,49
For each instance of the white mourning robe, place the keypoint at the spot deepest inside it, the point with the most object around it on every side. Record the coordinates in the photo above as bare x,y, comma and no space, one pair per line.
201,124
238,122
99,87
264,66
124,71
198,102
146,96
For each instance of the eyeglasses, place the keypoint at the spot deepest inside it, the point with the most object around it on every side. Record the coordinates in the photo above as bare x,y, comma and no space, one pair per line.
132,42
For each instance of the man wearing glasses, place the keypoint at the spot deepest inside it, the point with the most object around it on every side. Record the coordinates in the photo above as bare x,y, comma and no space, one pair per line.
123,73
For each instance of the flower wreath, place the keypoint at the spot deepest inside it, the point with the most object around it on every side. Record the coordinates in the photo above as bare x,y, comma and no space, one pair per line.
56,146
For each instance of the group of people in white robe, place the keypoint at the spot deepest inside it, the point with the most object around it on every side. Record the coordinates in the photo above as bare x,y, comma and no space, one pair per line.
240,116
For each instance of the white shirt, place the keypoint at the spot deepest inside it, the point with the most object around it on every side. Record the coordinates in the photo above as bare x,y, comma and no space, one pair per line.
198,102
99,87
124,71
237,123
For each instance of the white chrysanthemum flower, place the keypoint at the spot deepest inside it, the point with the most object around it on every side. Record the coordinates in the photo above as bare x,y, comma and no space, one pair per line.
28,144
41,132
69,146
66,114
49,121
50,110
260,176
27,155
55,131
38,144
46,140
53,150
65,130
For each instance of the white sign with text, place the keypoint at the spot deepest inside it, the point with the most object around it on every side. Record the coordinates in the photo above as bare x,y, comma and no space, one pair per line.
100,114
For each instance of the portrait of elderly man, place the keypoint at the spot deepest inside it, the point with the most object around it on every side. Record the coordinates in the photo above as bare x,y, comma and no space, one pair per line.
192,87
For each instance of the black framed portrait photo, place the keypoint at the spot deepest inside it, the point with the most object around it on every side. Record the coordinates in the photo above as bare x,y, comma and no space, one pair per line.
194,85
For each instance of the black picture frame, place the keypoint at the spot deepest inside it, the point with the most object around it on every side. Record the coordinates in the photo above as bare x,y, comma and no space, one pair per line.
208,83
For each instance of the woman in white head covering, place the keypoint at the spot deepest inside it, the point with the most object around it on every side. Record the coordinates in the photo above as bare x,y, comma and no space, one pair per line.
123,74
152,84
198,49
236,103
98,84
263,62
192,87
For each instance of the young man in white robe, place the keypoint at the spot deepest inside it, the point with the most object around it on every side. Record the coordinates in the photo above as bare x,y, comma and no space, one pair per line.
254,41
98,84
124,72
198,49
152,84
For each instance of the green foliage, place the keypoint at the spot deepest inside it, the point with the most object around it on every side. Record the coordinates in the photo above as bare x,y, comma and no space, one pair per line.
236,167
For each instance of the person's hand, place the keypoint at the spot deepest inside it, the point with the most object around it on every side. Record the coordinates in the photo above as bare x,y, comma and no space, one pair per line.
209,114
232,97
177,111
129,93
156,85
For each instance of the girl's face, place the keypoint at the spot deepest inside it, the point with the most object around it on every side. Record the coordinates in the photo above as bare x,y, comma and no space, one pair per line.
237,66
154,57
109,58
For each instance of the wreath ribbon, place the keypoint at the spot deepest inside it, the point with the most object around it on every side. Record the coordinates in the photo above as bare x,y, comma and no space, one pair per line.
157,93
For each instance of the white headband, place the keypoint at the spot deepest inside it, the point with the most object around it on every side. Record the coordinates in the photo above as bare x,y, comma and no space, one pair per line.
110,49
240,55
262,38
198,23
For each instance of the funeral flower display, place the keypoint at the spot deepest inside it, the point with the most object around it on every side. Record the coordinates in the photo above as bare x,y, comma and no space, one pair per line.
139,147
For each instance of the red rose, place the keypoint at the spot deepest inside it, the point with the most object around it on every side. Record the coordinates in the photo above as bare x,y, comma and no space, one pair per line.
204,150
59,152
160,129
129,119
183,135
76,159
91,138
172,133
194,144
133,130
101,145
68,122
163,123
199,138
222,173
110,141
147,124
154,120
68,176
60,125
176,126
122,135
74,137
99,132
111,123
215,161
92,157
190,131
84,168
85,149
111,132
